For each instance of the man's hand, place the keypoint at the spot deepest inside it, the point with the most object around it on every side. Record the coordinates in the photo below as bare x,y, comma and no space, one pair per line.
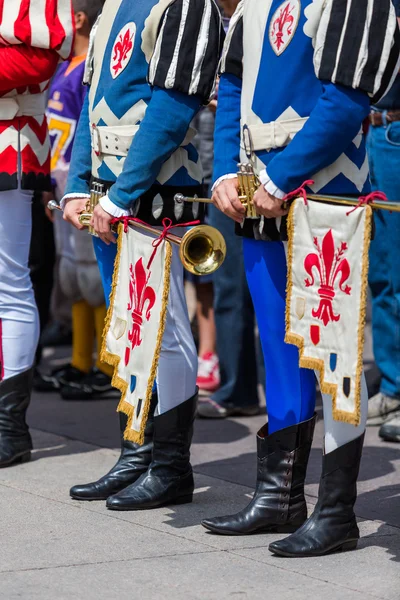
101,224
72,209
267,205
226,198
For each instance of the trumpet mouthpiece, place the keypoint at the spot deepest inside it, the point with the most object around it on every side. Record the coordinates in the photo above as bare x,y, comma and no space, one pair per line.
53,205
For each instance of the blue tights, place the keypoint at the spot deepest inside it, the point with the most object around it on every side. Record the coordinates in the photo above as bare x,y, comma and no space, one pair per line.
290,391
105,258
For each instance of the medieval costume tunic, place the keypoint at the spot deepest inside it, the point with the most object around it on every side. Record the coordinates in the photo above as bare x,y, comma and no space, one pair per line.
299,76
33,38
152,66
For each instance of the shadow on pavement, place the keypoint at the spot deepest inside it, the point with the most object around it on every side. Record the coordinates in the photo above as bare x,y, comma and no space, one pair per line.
381,503
215,431
383,539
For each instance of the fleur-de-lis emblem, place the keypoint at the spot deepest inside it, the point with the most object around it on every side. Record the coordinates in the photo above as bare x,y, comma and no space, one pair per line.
284,20
142,298
122,49
332,268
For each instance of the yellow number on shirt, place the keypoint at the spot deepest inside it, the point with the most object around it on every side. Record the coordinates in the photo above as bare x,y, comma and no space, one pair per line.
63,130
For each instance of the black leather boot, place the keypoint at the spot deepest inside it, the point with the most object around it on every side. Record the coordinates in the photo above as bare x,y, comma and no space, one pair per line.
169,479
132,463
278,504
332,527
15,439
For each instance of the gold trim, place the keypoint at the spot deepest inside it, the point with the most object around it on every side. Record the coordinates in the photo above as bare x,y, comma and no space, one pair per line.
113,359
293,338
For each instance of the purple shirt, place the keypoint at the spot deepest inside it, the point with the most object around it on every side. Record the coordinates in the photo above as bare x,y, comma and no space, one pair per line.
63,110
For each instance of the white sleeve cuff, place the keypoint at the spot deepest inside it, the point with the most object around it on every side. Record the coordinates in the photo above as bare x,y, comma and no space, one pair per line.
221,179
71,197
269,185
113,209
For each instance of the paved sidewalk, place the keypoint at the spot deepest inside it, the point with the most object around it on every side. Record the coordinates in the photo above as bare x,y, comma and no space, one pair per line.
53,548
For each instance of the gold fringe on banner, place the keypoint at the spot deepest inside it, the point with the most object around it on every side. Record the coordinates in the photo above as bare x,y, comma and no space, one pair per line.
114,360
317,364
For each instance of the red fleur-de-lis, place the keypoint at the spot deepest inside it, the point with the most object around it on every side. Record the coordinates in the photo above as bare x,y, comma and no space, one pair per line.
330,266
285,19
142,298
121,50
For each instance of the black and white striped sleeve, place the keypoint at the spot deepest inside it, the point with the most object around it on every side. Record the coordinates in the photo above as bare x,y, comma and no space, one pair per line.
357,45
188,48
232,54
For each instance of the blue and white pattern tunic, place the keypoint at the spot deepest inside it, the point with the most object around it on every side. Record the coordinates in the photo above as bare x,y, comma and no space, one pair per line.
152,65
301,75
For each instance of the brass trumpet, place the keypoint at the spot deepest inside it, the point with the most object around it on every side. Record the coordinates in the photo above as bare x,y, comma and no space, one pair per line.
95,194
248,185
202,249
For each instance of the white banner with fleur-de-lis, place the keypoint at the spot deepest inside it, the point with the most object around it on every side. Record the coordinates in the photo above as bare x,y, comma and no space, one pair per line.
136,321
326,297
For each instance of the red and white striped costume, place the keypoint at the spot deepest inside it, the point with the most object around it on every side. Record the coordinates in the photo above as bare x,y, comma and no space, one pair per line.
34,35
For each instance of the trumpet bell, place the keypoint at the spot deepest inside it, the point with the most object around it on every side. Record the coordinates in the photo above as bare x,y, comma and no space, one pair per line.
202,250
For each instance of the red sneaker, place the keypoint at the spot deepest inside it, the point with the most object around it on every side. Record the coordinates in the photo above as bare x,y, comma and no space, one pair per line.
208,374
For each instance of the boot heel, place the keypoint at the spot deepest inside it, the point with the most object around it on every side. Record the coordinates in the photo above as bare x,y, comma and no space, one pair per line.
349,546
25,458
184,499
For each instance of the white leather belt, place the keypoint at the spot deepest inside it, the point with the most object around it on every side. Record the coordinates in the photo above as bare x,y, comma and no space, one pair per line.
116,141
31,105
275,134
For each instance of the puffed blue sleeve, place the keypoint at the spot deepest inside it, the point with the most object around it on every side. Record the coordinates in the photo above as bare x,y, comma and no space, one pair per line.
81,159
161,132
227,126
330,129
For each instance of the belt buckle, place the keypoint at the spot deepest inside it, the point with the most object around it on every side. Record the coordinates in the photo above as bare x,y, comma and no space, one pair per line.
96,141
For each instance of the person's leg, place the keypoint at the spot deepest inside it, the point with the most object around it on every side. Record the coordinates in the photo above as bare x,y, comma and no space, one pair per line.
83,331
19,326
105,259
338,434
332,526
177,367
134,459
290,391
100,313
18,312
41,263
234,319
60,330
169,478
208,377
283,445
384,271
205,317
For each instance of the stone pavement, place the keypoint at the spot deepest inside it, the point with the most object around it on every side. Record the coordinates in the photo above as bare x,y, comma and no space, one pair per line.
54,548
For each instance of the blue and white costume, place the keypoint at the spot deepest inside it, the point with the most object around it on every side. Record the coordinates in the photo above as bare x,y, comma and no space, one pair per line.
152,64
150,69
300,75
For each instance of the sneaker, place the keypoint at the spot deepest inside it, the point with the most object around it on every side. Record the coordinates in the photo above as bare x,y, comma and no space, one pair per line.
58,378
209,409
208,378
94,385
380,407
390,430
